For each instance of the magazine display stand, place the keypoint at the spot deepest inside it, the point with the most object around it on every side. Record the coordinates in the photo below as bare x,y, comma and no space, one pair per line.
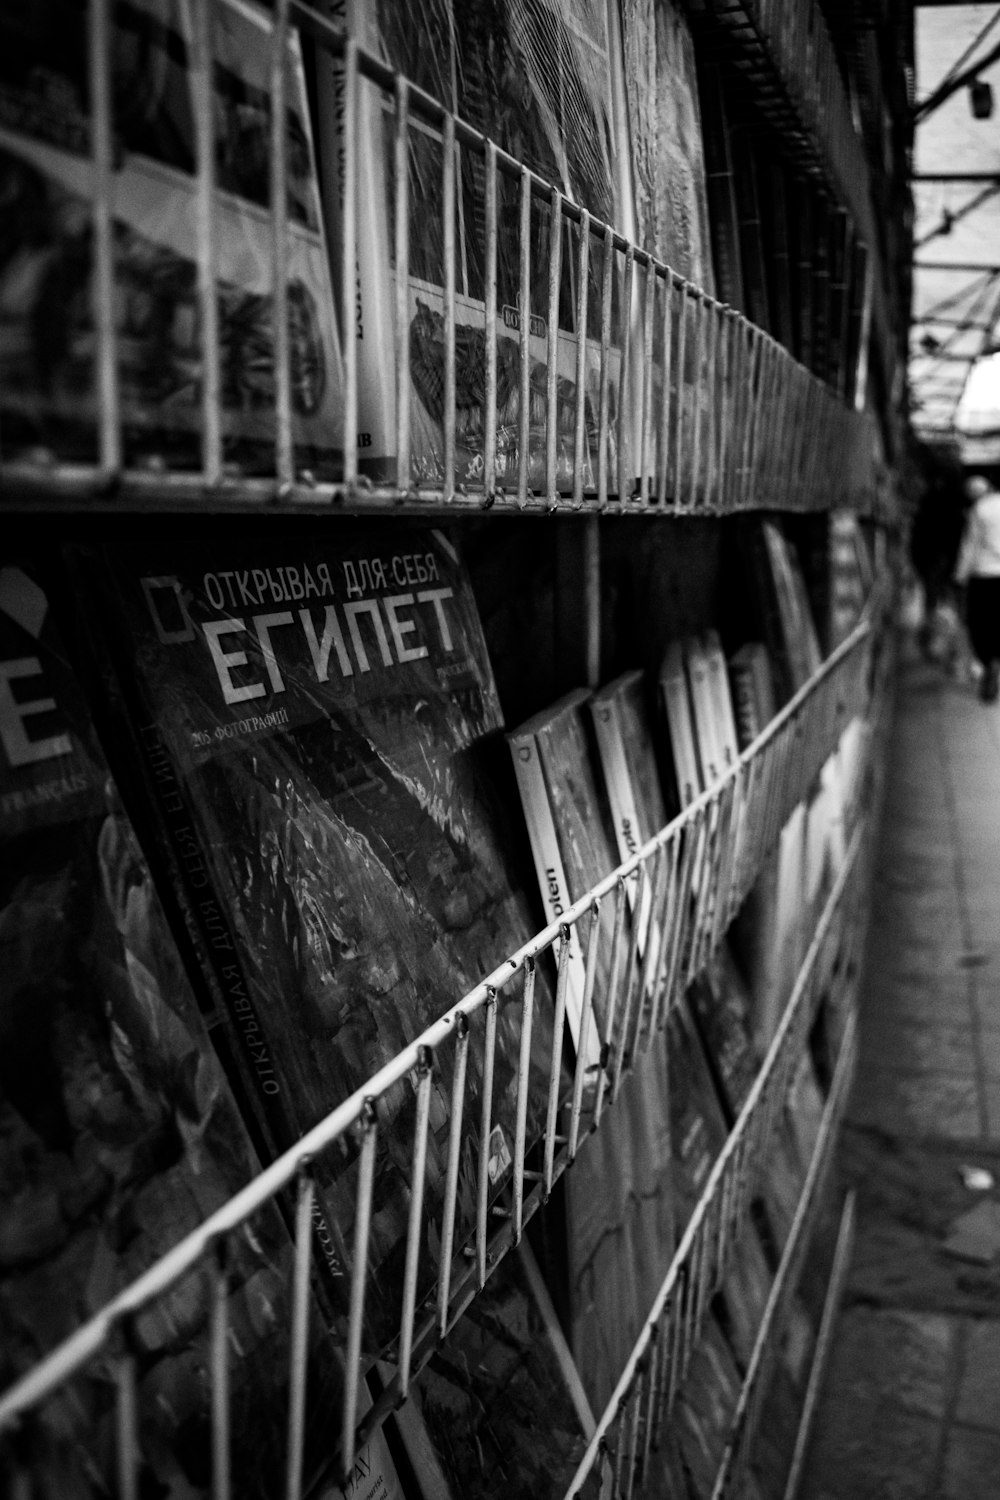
395,1205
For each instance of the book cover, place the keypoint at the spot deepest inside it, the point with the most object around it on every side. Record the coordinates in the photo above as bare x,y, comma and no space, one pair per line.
48,363
769,931
553,883
697,1125
722,1007
668,166
625,743
705,1407
804,1107
620,1216
535,81
628,761
312,716
501,1399
795,613
581,823
781,605
118,1130
752,690
680,725
724,719
707,735
742,1298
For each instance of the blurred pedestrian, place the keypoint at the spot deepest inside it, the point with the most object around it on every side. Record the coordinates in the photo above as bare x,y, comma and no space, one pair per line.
978,572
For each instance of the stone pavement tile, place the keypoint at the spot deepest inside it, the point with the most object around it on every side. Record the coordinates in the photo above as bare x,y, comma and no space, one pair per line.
987,1046
864,1450
971,1465
887,1354
918,1044
987,1012
918,999
991,1095
979,1386
916,1104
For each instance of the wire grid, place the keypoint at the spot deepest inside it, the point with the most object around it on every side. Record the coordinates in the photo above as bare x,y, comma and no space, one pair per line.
696,870
691,408
629,1429
784,49
746,1422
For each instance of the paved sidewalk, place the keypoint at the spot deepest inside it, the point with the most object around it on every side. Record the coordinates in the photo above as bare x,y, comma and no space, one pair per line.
911,1403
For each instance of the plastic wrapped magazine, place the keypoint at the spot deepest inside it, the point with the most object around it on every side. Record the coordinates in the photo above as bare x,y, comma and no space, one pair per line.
661,85
118,1131
621,1220
48,250
314,716
501,1399
534,79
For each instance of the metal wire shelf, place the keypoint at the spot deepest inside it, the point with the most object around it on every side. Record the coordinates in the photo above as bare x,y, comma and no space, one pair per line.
628,1429
697,871
713,416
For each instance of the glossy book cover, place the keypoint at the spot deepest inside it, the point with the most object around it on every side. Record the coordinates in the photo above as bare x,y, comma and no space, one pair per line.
312,715
118,1131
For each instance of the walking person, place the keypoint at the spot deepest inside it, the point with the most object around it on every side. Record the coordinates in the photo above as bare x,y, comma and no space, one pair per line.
978,571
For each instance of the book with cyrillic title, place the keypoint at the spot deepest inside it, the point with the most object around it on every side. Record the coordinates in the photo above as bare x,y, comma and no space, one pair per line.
312,717
119,1130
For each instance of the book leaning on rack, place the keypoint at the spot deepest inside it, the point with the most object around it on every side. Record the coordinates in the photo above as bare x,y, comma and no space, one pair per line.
535,81
119,1132
619,1196
310,718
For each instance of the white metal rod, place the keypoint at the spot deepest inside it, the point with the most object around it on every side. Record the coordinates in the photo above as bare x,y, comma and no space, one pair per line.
102,147
490,294
299,1341
359,1283
448,234
581,453
284,454
401,147
349,260
418,1179
552,370
523,1088
208,301
603,439
218,1293
555,1068
454,1165
485,1130
524,407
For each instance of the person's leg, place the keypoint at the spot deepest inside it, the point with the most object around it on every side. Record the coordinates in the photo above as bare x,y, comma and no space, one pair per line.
990,592
983,619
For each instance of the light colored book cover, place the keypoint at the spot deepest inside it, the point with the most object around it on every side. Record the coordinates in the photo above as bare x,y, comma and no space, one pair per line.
722,699
752,691
625,747
680,726
703,710
547,857
536,81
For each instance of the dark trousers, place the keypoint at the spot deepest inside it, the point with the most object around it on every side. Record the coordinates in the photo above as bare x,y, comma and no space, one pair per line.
983,618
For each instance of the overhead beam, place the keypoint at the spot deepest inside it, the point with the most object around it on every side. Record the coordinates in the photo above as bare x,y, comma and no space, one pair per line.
953,265
955,176
942,94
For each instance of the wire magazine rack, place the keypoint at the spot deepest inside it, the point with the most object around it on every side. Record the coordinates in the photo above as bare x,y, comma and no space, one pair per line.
713,415
697,871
